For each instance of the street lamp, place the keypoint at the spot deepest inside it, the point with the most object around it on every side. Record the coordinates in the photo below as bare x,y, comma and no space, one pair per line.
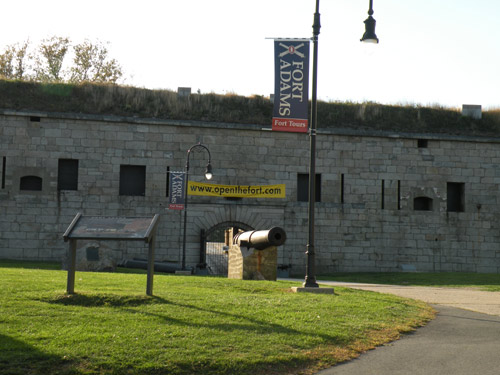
208,176
370,37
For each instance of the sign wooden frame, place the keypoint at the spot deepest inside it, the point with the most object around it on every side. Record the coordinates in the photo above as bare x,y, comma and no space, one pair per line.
111,228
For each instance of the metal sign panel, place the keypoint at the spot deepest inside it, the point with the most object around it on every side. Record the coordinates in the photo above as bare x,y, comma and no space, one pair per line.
111,228
291,85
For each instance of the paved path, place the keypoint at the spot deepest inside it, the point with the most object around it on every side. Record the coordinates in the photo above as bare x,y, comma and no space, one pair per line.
457,342
464,338
468,299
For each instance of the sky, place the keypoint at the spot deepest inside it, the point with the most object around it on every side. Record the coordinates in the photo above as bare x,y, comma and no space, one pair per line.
431,52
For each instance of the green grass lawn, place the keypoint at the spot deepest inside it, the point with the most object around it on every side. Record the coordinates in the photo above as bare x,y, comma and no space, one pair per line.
482,281
192,324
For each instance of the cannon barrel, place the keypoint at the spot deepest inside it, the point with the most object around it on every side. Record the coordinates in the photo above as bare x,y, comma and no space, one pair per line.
261,239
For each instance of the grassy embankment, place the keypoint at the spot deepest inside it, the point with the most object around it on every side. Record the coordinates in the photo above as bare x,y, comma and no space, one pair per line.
95,99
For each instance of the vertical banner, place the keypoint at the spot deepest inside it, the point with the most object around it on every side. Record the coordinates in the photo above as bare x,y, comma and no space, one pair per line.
291,85
177,190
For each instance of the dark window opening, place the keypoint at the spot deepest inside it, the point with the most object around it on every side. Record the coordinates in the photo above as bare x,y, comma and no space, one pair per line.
303,187
67,174
342,188
399,194
422,204
133,180
422,143
455,197
32,183
35,119
382,206
4,162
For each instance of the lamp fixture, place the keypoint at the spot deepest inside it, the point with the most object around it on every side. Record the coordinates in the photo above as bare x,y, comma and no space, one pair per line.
369,36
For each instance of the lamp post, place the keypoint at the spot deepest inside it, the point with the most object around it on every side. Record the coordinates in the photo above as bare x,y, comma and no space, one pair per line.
208,176
370,37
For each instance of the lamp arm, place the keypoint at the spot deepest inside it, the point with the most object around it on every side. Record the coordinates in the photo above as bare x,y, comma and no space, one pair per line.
192,148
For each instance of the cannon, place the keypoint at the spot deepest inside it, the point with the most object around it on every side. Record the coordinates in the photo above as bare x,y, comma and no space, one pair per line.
260,239
247,261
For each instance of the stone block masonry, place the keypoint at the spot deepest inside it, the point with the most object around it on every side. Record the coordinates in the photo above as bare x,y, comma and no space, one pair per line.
251,264
388,202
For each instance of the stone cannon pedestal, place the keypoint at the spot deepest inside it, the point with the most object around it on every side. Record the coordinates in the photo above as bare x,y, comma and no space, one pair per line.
253,255
252,264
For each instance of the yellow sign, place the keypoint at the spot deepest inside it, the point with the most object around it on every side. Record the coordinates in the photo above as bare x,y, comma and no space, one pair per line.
240,191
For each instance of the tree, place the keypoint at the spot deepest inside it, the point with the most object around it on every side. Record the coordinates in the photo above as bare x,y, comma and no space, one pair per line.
13,64
6,63
49,61
20,58
91,64
46,62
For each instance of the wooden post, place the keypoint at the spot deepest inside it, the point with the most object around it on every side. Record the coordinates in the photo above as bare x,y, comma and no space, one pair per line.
151,266
70,289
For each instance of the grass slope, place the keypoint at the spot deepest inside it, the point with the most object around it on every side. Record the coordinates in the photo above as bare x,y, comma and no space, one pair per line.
192,325
127,101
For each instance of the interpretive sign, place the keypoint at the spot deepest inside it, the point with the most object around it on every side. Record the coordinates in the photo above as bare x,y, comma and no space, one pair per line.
291,85
110,228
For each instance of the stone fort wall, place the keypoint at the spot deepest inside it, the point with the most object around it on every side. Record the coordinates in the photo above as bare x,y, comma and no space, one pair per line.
388,202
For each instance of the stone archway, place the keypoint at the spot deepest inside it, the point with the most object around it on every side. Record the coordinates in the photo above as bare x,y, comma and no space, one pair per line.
215,245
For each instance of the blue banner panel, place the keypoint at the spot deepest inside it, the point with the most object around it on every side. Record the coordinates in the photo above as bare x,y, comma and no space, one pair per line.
177,190
291,85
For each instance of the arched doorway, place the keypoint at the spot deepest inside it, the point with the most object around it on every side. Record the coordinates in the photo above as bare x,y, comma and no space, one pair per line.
215,246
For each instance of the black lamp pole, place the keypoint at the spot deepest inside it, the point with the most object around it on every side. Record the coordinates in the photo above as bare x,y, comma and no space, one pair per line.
208,176
310,280
370,37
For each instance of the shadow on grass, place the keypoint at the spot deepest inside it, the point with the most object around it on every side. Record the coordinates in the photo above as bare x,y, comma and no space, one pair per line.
41,265
17,357
103,300
236,322
239,322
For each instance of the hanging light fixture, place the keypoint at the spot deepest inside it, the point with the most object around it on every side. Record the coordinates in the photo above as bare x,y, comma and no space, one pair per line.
208,171
369,36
